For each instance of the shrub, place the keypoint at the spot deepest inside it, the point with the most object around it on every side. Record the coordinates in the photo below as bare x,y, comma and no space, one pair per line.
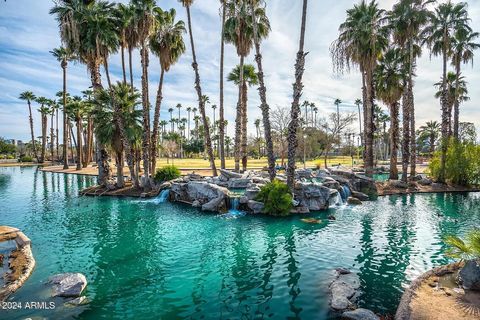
167,173
462,164
276,197
25,159
468,249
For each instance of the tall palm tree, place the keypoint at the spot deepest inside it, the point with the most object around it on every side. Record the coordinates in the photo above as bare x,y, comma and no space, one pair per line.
179,107
359,103
438,34
145,22
131,37
76,108
239,32
44,112
189,109
124,18
390,80
463,46
63,55
167,43
363,36
337,104
29,97
53,107
263,91
432,130
214,108
295,110
201,105
407,19
249,78
221,98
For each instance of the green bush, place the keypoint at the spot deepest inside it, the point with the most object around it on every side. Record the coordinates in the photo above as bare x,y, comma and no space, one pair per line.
462,164
167,173
25,159
276,197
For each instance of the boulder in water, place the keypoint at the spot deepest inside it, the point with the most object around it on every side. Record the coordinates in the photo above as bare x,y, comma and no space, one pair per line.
469,275
360,314
354,201
68,284
360,196
313,196
255,206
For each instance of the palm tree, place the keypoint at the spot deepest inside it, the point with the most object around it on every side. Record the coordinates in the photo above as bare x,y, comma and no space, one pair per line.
337,103
76,108
214,107
389,80
295,110
463,46
221,111
53,107
124,18
315,111
64,55
358,103
44,112
262,89
201,104
363,37
189,109
431,130
239,32
167,43
170,110
29,97
407,20
145,22
179,107
131,36
438,34
249,78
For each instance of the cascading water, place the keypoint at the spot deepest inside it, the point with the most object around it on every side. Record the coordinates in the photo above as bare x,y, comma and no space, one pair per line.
346,193
163,196
233,212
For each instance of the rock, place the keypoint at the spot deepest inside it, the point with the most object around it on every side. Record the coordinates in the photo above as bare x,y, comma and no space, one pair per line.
196,204
68,284
230,174
360,314
438,186
243,200
343,271
418,177
469,275
304,173
344,173
313,196
360,196
398,184
364,185
311,220
238,183
341,293
255,206
260,180
425,182
200,193
331,218
354,201
215,205
299,210
252,192
321,173
77,301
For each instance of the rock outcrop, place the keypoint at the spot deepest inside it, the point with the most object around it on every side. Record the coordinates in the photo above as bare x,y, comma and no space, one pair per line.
343,290
314,196
209,196
469,275
360,314
68,284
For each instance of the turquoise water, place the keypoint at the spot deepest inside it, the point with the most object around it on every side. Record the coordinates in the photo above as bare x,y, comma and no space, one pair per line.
145,260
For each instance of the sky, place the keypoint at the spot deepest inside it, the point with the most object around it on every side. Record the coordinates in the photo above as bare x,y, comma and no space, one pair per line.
28,33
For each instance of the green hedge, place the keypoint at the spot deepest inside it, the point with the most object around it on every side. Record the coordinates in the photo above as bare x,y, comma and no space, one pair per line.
25,159
167,173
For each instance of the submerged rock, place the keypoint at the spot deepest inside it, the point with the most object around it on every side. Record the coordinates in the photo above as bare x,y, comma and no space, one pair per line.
469,275
343,290
68,284
354,201
360,314
77,301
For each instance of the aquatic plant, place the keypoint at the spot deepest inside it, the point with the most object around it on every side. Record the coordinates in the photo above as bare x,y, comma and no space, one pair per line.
276,197
167,173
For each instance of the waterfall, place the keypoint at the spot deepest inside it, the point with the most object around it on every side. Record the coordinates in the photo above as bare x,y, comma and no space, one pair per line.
233,212
234,203
163,197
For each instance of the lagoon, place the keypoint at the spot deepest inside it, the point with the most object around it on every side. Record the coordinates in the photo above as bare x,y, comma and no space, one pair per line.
149,260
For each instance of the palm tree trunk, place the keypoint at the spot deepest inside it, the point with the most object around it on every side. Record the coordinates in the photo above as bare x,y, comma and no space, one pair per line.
413,140
297,93
156,120
244,126
360,123
146,119
44,137
456,111
56,134
79,142
130,65
208,140
444,107
221,111
394,115
238,120
120,177
65,119
369,123
52,135
31,130
406,134
124,73
262,90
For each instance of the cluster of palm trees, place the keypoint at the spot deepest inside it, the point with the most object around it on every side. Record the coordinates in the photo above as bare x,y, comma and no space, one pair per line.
384,46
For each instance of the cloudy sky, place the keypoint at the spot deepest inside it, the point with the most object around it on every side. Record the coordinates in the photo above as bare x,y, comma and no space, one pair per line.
28,33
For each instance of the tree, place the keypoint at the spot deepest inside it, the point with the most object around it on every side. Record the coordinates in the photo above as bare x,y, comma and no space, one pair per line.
124,17
467,132
443,23
363,37
431,130
463,46
44,112
249,78
221,98
239,31
201,104
337,104
280,121
63,55
390,79
295,109
167,43
359,104
29,97
262,90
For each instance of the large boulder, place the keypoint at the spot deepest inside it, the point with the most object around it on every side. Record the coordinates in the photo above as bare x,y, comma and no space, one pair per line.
313,196
354,201
303,173
255,206
469,275
229,174
424,182
238,183
210,197
398,184
364,185
360,196
343,290
360,314
68,284
252,192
